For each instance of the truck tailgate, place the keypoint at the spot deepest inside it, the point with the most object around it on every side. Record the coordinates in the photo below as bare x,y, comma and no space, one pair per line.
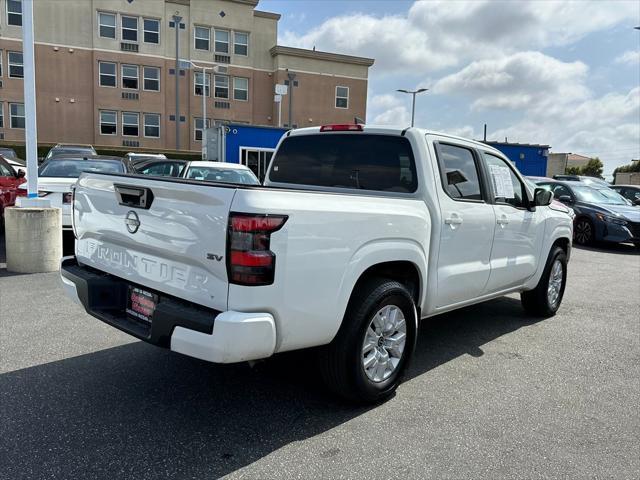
165,235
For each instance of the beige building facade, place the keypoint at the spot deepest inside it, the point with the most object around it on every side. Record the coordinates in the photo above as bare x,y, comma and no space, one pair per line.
106,72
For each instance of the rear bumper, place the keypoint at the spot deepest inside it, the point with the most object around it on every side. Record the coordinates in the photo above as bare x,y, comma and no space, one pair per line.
193,330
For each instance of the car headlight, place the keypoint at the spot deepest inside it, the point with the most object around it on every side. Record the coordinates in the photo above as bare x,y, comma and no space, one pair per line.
611,219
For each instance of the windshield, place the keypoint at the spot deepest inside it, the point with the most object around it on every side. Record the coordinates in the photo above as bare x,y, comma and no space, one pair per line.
73,168
613,196
591,195
224,175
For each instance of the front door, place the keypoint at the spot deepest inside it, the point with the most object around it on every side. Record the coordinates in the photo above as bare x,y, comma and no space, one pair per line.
518,234
257,160
468,227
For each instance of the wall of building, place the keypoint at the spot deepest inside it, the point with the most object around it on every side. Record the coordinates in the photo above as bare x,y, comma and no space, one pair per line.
627,178
69,49
529,159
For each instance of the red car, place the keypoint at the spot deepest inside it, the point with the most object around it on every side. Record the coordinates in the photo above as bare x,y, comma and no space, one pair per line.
9,182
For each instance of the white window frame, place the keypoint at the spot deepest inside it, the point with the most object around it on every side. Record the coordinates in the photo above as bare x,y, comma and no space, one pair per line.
215,41
11,116
144,125
207,124
243,44
335,100
1,70
195,37
100,123
115,74
9,64
137,114
144,30
1,114
207,83
215,86
242,89
144,78
14,13
123,28
122,76
115,25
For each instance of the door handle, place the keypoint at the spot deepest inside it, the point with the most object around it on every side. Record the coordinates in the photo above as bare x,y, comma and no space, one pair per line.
454,220
502,221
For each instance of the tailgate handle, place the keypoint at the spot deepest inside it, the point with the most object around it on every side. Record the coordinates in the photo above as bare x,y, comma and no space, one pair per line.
136,197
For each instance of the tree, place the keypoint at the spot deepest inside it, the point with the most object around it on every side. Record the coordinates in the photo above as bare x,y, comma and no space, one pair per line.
593,168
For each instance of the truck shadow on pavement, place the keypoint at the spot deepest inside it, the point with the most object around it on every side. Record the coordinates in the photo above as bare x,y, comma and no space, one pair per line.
137,411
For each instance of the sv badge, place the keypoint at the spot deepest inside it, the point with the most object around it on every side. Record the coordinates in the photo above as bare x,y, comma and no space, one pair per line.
211,256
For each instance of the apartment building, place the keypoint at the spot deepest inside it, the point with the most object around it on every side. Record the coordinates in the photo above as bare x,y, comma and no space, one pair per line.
106,72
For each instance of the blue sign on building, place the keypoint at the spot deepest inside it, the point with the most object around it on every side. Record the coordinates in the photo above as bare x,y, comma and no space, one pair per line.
530,159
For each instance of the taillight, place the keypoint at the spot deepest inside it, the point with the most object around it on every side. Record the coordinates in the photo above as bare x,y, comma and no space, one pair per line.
249,258
345,127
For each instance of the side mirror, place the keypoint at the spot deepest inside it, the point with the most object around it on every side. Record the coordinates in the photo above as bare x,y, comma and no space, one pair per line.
565,199
20,174
542,197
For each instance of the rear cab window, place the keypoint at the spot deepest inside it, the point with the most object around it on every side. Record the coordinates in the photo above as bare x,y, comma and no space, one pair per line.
383,163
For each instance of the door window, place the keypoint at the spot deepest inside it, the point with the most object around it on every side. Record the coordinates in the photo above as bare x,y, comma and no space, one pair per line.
507,187
459,172
5,171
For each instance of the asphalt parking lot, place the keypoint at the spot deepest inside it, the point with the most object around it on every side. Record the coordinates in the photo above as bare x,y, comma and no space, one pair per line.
491,394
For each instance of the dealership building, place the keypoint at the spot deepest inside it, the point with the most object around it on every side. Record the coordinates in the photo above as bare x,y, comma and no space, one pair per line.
106,73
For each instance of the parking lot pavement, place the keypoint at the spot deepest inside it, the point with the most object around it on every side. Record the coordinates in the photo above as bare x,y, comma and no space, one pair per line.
490,394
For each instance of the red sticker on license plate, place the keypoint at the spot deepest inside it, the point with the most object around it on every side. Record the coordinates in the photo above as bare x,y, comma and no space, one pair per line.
141,304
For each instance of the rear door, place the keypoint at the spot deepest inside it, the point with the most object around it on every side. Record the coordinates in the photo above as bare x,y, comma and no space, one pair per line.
468,226
519,232
162,234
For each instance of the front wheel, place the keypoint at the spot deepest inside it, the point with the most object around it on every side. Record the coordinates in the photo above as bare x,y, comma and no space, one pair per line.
584,232
545,299
369,355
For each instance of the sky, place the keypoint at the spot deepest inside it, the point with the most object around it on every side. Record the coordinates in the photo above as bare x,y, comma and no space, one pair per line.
560,73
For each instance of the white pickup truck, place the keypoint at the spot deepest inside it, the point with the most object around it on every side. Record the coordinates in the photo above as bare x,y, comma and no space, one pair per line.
358,233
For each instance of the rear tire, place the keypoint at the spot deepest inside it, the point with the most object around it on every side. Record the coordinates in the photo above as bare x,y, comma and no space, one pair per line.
366,360
545,299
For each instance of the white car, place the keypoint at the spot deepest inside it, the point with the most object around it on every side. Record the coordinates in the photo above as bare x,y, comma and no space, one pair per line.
358,233
57,177
220,172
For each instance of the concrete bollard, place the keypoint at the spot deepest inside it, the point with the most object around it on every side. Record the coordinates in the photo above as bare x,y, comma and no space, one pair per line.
33,239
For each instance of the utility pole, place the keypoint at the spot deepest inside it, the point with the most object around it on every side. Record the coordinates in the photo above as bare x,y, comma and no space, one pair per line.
31,126
413,104
176,22
204,103
291,76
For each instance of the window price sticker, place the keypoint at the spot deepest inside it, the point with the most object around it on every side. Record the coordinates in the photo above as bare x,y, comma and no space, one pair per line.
502,181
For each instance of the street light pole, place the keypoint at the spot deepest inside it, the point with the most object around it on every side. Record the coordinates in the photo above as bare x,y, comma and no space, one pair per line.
413,103
291,76
176,23
31,128
204,103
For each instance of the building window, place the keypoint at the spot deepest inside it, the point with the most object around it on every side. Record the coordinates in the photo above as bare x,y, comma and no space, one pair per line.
221,86
108,122
16,111
202,38
151,78
222,41
16,69
130,28
151,30
152,125
198,84
130,77
1,115
240,88
14,12
241,43
342,97
130,124
197,132
107,74
107,25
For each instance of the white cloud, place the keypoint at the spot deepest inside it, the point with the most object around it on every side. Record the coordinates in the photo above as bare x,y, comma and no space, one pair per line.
519,81
439,34
387,109
630,57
